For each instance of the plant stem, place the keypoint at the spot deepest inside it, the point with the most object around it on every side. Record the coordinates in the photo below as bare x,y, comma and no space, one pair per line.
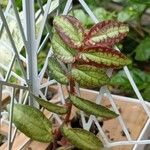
69,113
72,91
67,117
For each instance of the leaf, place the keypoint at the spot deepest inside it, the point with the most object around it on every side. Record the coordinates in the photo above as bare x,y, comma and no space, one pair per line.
146,94
103,57
146,2
70,30
131,12
81,138
19,4
143,50
106,33
141,79
92,108
80,15
61,50
89,76
50,106
120,79
102,14
32,123
56,71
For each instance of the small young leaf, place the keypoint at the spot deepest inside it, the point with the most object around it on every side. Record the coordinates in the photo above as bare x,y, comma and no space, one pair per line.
106,33
89,76
32,123
56,71
103,57
61,50
50,106
81,138
92,108
70,30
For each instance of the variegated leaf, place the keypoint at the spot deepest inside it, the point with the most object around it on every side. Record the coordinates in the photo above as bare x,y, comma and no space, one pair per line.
92,108
103,58
51,106
61,50
106,33
32,123
81,138
70,30
55,70
89,76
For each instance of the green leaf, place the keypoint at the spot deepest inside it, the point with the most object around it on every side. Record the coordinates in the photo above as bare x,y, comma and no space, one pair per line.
146,2
106,33
146,94
141,79
50,106
93,3
104,57
120,79
19,4
89,76
32,123
131,12
124,16
92,108
143,50
70,30
55,70
80,15
81,138
100,13
61,50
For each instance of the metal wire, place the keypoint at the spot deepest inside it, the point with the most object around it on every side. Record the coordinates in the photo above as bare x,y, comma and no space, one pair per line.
12,42
10,119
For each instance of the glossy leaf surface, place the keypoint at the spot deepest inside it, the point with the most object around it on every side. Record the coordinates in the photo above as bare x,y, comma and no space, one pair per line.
81,138
105,57
50,106
55,70
92,108
32,123
61,50
106,33
89,76
70,30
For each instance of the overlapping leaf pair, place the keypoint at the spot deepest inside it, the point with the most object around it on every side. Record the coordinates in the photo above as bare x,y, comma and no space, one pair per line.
87,51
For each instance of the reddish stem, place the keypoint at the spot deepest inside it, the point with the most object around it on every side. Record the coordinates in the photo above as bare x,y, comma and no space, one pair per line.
67,117
69,105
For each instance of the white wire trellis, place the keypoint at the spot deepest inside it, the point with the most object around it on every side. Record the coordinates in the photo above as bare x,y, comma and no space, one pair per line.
32,80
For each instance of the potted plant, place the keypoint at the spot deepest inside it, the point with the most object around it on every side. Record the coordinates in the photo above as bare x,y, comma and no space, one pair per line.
87,54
